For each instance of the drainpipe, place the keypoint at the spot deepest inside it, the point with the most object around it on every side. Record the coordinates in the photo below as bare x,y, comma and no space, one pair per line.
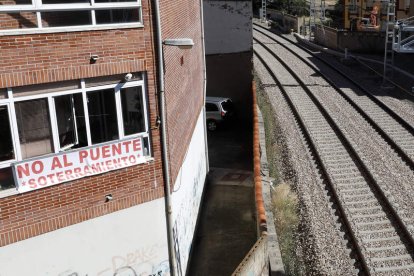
205,83
164,148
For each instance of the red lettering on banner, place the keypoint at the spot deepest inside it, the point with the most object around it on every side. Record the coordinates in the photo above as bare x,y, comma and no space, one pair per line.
42,181
78,171
96,168
126,144
132,159
108,164
116,148
96,155
115,163
136,145
32,183
51,177
82,155
23,170
35,174
69,175
105,152
124,159
56,163
60,176
37,167
87,170
66,163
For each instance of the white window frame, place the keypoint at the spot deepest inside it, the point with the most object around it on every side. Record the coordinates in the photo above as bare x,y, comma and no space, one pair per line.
38,7
6,163
11,100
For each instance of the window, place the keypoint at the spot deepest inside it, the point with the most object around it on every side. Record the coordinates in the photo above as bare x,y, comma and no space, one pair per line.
211,107
52,14
34,128
102,116
47,119
133,114
6,145
353,7
6,178
70,121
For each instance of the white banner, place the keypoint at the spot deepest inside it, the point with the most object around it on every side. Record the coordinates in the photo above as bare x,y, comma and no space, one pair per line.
51,170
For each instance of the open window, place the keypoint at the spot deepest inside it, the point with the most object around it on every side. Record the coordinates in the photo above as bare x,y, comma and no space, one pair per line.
70,120
50,118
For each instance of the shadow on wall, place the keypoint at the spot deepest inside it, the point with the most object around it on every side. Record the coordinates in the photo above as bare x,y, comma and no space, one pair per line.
230,75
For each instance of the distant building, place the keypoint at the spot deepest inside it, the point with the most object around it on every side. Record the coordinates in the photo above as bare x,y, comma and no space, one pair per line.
370,14
82,173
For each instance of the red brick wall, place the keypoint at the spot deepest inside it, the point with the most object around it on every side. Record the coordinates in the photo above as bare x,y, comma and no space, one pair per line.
183,76
41,58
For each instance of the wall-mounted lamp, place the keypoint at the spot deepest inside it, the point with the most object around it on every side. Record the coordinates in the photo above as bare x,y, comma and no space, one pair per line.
108,197
128,77
94,58
184,43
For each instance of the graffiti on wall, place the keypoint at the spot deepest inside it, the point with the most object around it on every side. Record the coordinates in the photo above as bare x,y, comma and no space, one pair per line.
141,262
187,197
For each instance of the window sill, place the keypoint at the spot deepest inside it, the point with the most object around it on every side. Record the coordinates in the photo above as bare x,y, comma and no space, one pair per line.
8,192
70,29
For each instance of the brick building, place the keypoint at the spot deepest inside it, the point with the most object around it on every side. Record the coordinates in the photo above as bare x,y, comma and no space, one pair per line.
85,90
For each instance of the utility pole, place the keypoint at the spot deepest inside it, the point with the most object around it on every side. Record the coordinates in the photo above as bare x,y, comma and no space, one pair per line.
389,44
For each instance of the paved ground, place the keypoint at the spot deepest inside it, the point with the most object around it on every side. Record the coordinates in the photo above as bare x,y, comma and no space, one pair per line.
227,228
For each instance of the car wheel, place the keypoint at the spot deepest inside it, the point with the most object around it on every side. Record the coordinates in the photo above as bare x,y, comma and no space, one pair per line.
211,125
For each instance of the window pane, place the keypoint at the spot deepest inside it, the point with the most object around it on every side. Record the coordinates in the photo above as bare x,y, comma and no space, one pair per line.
65,116
132,110
15,2
117,16
66,18
211,107
64,1
6,179
18,20
3,93
34,127
102,116
6,141
114,1
80,121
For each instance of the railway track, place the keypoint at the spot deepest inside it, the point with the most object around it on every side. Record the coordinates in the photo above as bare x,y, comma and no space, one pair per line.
379,230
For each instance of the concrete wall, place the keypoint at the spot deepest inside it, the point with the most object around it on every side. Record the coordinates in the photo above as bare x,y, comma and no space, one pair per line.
228,26
361,42
256,261
187,195
326,36
129,242
284,21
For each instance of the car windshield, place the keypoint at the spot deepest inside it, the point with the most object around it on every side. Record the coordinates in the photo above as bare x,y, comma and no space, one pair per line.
227,105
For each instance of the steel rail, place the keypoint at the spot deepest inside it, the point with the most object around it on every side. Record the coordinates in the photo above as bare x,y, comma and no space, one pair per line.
403,155
318,160
381,197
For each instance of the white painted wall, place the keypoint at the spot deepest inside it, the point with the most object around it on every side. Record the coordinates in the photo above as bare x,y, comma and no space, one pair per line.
228,26
186,196
129,242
